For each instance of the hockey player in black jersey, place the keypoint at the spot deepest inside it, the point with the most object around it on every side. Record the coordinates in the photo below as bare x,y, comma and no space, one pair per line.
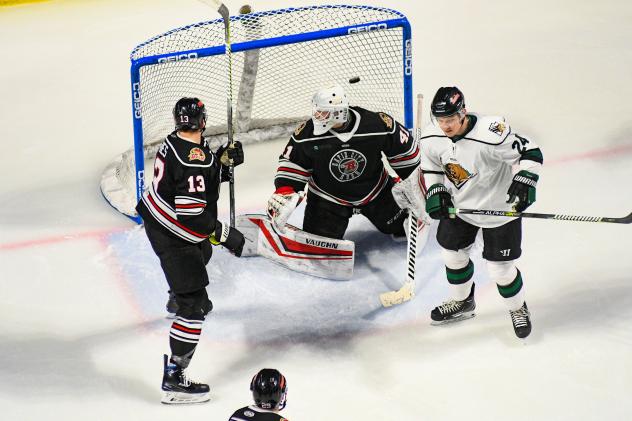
179,210
338,154
269,391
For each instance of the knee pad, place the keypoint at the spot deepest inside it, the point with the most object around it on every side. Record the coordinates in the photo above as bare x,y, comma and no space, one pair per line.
502,273
456,259
194,305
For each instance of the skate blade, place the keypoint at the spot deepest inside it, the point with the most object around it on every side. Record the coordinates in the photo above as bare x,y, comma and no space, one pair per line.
460,318
177,398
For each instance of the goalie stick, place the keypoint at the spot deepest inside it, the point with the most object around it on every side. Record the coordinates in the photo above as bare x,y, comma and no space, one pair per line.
407,291
223,11
510,214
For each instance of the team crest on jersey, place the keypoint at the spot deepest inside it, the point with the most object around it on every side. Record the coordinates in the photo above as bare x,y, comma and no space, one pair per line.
457,174
196,153
300,128
347,165
497,127
387,119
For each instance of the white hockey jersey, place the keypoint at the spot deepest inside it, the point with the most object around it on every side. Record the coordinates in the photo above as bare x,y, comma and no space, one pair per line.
477,168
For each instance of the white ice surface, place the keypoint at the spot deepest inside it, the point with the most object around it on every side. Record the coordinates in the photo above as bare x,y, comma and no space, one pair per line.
82,295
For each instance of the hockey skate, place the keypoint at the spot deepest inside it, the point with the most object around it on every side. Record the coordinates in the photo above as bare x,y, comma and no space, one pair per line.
454,311
172,306
178,389
521,320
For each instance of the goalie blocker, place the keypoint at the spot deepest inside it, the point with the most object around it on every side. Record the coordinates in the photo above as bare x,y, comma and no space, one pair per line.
296,249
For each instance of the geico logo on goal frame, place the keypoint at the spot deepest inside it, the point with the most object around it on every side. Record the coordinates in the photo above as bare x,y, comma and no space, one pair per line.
141,182
177,57
408,58
136,97
367,28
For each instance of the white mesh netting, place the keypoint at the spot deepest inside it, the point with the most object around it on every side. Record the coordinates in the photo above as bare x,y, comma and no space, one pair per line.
272,86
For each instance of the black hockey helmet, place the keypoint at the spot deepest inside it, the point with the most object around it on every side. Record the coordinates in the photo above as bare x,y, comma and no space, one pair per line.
269,389
189,114
447,101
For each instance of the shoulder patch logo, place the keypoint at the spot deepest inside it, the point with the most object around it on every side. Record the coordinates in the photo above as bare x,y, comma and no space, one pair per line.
457,174
300,128
387,119
497,127
196,153
249,413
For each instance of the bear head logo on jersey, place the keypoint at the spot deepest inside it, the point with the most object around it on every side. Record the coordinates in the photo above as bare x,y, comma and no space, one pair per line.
457,174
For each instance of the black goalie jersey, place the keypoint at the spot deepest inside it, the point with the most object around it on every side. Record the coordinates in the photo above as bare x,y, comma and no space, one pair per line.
183,194
254,413
346,167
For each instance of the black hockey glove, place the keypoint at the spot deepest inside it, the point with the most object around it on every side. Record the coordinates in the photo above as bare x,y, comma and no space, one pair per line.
231,154
228,237
522,190
438,202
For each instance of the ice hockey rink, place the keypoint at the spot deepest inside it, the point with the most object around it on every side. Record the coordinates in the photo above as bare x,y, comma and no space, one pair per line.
83,325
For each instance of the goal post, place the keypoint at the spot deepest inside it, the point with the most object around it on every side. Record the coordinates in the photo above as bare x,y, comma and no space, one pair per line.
280,58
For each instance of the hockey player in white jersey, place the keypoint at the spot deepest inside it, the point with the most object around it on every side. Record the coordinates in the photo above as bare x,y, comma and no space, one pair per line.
468,161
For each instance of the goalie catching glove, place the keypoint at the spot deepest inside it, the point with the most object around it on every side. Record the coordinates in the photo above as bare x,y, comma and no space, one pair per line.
522,190
281,205
409,194
228,237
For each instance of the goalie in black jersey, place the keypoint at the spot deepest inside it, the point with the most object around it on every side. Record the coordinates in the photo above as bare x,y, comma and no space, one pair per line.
338,155
269,391
179,210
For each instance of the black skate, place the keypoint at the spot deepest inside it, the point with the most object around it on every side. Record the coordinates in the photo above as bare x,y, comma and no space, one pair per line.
454,311
521,320
179,389
172,306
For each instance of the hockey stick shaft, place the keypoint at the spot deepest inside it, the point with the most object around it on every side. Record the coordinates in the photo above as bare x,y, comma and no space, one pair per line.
407,291
223,11
510,214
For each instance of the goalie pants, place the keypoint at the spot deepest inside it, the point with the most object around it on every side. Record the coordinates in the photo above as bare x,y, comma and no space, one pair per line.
330,219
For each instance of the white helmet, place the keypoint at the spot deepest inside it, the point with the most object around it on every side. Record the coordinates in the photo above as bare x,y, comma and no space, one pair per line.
330,106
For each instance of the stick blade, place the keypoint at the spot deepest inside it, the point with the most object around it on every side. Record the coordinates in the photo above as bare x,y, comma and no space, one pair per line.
392,298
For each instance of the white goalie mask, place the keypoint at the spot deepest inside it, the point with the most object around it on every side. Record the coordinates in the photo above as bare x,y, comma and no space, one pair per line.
330,106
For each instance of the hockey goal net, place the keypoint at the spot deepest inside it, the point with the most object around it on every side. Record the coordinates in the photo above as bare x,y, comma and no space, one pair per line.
279,59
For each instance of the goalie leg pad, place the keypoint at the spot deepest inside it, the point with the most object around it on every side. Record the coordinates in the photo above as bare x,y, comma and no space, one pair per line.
296,249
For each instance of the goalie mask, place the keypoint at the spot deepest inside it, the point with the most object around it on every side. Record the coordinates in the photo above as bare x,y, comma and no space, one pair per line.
269,389
189,114
330,107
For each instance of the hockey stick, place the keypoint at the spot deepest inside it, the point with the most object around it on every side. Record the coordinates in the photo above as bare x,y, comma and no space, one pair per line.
624,220
223,10
407,291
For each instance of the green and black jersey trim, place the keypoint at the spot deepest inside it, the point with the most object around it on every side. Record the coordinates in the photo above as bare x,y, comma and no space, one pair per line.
534,155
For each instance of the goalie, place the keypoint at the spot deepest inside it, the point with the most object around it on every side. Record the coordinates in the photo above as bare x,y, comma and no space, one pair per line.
338,155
